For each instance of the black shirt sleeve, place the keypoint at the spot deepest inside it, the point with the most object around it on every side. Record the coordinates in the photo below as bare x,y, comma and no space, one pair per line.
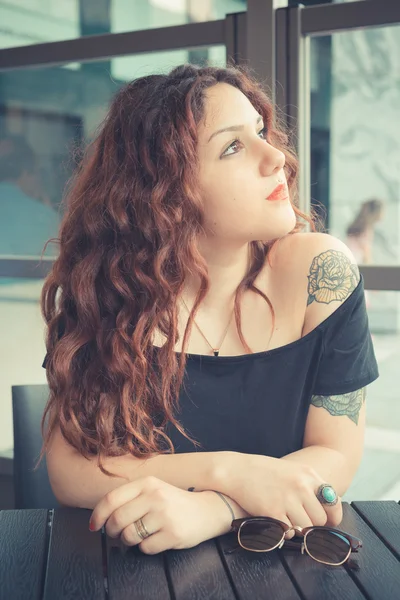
348,360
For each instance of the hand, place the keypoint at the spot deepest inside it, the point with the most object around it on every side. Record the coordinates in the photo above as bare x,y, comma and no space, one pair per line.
175,518
284,490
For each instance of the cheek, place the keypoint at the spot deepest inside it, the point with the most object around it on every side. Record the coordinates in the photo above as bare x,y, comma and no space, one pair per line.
219,199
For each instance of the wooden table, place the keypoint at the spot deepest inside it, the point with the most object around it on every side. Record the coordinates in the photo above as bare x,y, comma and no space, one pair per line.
51,555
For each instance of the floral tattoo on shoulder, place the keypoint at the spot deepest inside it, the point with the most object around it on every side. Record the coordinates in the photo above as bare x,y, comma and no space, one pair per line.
332,277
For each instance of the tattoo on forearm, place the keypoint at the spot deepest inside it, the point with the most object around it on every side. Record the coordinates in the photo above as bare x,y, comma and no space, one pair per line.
345,404
332,277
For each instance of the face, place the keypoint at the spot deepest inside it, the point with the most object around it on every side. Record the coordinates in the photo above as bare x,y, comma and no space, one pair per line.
239,169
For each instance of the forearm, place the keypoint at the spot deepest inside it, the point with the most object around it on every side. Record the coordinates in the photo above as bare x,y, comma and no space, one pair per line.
330,464
77,481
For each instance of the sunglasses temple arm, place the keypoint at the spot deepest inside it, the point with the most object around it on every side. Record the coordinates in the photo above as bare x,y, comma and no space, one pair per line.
232,550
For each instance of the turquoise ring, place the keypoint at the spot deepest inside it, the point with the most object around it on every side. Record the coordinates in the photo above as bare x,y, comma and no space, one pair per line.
327,495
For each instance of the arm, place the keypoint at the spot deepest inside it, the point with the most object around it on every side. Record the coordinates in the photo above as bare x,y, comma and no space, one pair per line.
334,438
334,432
77,481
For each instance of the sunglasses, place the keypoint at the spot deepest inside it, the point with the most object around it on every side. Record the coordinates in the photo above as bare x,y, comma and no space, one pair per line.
324,544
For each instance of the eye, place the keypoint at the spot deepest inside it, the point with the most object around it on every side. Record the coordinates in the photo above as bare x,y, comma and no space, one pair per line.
263,132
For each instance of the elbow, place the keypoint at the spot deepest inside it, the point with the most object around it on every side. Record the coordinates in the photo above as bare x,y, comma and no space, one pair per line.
76,481
68,474
70,489
59,481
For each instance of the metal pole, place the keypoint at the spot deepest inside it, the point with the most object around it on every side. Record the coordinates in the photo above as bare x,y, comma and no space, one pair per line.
261,51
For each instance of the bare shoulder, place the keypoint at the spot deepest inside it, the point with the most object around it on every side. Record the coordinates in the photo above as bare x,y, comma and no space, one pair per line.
322,270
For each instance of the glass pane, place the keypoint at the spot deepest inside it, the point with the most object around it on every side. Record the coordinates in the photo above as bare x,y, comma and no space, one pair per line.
355,139
45,116
34,21
378,477
22,346
313,2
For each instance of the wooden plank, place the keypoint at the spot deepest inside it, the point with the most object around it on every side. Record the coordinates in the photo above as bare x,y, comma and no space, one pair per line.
256,575
23,549
384,519
198,573
128,570
378,573
316,580
74,569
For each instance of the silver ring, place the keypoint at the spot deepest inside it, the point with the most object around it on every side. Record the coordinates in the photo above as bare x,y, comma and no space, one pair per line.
327,495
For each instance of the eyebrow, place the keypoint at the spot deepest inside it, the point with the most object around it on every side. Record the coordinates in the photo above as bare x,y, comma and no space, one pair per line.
232,128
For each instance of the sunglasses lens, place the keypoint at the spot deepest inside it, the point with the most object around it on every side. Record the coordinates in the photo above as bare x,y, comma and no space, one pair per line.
260,535
328,546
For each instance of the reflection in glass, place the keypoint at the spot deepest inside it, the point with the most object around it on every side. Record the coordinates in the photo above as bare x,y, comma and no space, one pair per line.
46,117
27,218
355,139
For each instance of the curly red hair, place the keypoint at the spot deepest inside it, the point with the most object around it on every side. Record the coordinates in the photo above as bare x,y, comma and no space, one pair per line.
123,259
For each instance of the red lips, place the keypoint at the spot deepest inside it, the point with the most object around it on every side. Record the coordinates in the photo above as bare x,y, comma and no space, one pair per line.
279,193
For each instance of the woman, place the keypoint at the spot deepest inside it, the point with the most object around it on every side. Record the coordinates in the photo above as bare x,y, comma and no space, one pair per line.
184,213
360,233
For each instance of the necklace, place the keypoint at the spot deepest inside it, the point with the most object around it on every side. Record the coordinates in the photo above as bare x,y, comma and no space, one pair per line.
215,350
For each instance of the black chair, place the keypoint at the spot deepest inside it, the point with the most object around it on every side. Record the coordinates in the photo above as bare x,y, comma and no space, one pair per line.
32,488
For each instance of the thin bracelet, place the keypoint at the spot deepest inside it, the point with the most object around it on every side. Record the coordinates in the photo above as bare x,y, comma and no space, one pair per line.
227,503
191,489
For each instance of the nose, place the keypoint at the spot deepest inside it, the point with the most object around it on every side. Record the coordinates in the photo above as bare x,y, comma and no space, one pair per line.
272,160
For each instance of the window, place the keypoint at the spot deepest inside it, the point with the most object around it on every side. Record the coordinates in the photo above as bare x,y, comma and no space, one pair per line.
25,22
45,115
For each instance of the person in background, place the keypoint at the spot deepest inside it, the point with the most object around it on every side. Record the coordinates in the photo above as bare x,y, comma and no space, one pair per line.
185,212
26,223
360,233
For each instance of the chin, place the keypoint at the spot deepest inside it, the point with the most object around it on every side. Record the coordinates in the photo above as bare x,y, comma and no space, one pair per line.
280,227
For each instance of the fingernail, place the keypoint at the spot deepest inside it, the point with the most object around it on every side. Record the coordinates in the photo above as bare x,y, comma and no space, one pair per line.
91,526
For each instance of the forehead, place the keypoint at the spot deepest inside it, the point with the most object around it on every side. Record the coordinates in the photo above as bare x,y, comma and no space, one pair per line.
225,105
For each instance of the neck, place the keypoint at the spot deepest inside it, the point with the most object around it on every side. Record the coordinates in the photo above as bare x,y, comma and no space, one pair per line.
227,266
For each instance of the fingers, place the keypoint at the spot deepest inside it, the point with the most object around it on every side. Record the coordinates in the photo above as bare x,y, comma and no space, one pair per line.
118,497
126,514
156,543
323,514
130,536
298,516
285,519
315,511
334,513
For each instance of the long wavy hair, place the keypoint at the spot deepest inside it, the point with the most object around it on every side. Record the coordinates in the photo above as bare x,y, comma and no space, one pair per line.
124,255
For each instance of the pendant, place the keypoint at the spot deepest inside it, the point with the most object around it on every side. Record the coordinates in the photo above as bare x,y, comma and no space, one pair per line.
216,352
